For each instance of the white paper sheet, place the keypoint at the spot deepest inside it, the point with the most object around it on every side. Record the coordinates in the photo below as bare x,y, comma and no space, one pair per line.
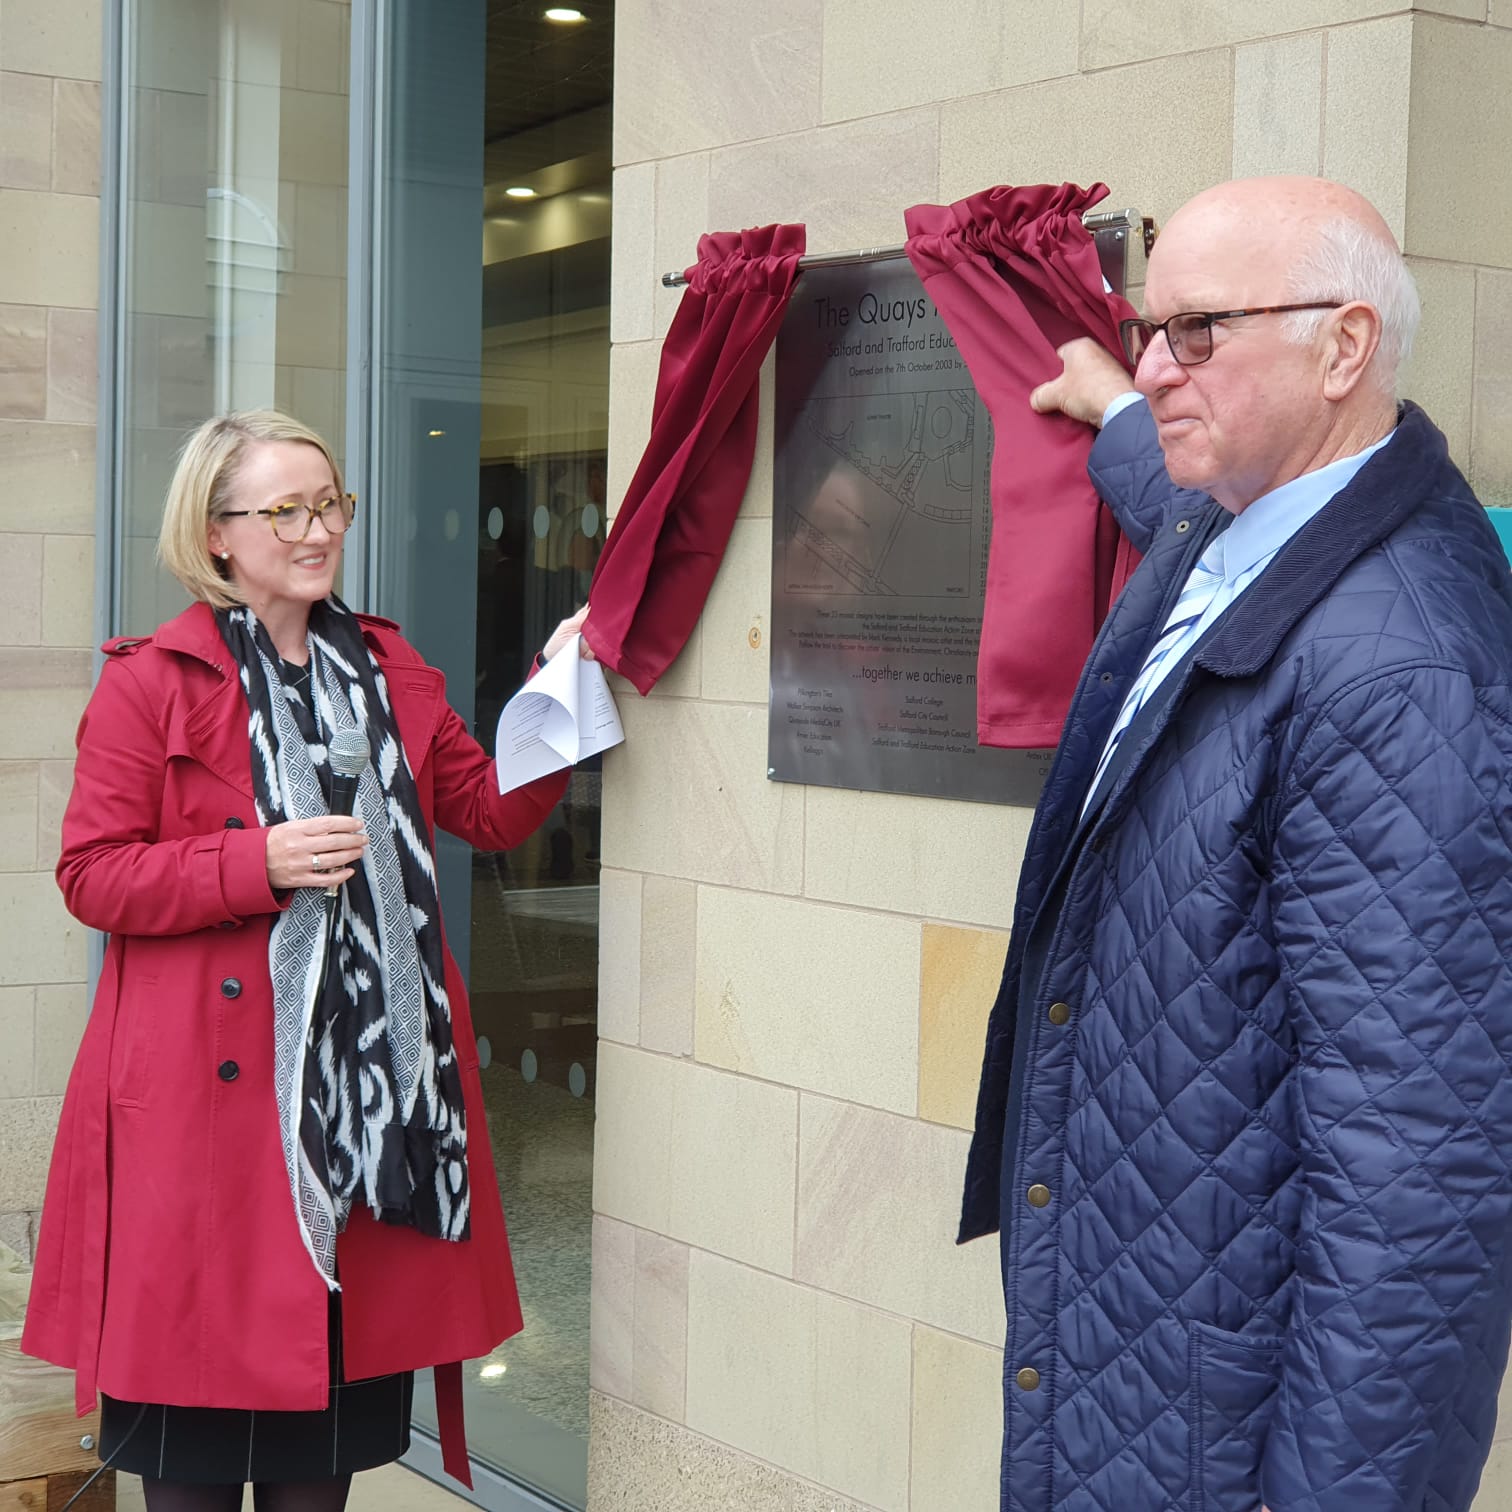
564,713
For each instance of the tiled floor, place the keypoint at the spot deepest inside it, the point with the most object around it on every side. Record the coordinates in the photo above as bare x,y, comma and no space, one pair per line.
391,1488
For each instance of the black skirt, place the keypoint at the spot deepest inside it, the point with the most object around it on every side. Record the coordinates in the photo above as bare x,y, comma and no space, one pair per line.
364,1423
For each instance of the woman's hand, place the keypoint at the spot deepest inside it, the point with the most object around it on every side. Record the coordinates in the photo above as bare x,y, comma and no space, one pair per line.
564,633
314,852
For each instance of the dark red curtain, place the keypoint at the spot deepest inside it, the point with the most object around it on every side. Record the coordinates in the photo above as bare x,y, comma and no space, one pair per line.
1015,275
672,528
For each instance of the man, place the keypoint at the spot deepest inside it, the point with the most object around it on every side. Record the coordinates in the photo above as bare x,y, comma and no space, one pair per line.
1246,1111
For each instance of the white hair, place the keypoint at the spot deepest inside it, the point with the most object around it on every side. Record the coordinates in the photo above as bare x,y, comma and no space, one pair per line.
1347,262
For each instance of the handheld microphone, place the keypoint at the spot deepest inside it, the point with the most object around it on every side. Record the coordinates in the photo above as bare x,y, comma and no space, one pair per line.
349,756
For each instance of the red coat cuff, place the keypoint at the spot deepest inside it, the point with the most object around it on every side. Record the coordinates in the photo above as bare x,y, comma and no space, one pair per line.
244,884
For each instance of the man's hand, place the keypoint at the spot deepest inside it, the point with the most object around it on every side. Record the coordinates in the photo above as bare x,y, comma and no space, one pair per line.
1090,381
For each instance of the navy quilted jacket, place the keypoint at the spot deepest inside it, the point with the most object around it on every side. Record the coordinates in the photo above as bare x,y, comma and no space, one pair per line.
1246,1113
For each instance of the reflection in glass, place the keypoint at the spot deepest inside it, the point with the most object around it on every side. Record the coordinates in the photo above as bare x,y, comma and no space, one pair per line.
533,530
234,280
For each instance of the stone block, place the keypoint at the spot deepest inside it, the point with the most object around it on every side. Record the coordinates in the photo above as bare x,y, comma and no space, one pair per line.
17,1017
1278,106
38,723
682,216
18,1232
62,1012
757,75
957,1423
45,944
20,590
632,246
955,861
801,1379
25,130
44,37
660,1355
697,1155
809,996
632,394
1491,436
878,57
1499,12
849,184
639,1317
72,365
619,992
641,1463
1099,127
611,1307
686,796
28,1126
1122,31
76,137
1365,114
1459,175
757,503
668,947
47,478
958,982
54,784
52,247
1440,373
18,816
23,362
879,1198
68,591
736,624
1495,1494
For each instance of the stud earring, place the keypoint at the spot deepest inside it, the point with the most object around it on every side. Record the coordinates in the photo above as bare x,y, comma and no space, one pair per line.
225,556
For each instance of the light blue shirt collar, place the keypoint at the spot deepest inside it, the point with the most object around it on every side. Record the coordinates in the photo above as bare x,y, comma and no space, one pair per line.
1264,527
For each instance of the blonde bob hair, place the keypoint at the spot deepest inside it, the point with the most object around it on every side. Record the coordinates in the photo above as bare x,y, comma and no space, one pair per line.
202,488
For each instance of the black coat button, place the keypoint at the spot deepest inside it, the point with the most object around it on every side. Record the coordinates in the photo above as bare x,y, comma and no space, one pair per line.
231,988
234,823
228,1071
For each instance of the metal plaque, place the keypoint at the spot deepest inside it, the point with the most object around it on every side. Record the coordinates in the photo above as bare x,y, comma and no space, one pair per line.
880,526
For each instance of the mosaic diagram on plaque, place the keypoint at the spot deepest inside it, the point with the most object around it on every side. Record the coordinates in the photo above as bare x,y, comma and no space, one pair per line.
881,521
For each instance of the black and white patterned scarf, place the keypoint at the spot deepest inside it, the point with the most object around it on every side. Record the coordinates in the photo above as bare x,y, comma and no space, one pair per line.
369,1094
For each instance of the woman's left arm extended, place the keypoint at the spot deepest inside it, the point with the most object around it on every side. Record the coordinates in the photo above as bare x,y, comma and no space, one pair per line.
468,801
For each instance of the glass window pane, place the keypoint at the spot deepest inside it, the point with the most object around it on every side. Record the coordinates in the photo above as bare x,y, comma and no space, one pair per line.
234,292
492,349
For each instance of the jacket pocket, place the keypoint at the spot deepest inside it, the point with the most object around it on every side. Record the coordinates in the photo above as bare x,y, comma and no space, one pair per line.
131,1043
1233,1388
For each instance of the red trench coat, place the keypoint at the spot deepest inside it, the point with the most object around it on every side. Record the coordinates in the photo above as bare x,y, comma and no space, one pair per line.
169,1267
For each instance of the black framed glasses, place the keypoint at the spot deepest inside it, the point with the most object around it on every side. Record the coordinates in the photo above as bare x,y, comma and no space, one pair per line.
291,521
1190,334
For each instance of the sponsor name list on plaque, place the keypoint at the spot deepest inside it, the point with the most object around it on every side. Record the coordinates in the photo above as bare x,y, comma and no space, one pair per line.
881,522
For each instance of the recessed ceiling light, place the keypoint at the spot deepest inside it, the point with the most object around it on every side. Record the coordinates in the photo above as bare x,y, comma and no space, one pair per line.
520,191
565,15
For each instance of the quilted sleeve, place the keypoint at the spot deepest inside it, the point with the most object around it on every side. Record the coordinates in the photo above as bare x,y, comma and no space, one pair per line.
1393,918
1128,471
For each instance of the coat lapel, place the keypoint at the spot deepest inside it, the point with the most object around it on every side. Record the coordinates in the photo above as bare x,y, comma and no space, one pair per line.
417,694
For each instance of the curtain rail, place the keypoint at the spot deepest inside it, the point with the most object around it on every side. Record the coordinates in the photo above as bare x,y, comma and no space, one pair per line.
1093,220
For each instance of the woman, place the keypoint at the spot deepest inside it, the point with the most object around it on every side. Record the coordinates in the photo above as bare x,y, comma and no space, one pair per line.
271,1198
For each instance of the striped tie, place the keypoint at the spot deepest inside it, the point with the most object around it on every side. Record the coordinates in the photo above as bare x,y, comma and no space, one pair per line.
1175,641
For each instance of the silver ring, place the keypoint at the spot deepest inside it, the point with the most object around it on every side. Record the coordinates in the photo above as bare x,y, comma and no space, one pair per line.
315,863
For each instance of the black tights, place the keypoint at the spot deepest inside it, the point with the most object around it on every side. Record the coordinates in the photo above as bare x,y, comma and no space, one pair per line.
267,1496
